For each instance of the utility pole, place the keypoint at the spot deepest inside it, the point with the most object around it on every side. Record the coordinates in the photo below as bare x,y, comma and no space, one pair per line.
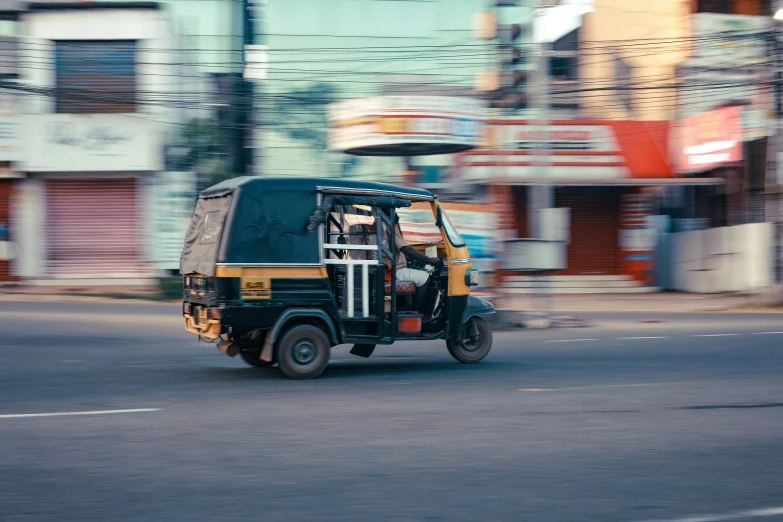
775,140
541,195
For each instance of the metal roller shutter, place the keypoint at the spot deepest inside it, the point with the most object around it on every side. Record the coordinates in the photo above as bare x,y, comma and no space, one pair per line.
92,229
5,223
595,223
519,198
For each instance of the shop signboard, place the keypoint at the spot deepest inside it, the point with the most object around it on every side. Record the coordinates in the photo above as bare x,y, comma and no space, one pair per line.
405,125
568,151
727,40
91,143
730,62
710,139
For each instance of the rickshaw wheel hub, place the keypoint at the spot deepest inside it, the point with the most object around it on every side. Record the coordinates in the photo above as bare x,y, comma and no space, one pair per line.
304,351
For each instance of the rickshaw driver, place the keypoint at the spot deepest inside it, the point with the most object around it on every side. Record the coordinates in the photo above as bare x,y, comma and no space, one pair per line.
404,252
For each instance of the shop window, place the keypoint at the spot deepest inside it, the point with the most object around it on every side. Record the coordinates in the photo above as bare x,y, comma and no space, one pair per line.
564,68
95,76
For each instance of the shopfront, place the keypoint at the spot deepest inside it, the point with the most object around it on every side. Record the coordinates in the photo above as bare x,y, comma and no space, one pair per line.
91,174
602,171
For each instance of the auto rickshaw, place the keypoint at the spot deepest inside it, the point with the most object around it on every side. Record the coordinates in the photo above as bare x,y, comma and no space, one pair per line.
280,270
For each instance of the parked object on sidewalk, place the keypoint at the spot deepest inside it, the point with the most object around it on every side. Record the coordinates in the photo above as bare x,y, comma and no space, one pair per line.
273,270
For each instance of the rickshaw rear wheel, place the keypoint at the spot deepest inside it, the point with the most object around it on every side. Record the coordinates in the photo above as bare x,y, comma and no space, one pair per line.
475,343
252,358
303,352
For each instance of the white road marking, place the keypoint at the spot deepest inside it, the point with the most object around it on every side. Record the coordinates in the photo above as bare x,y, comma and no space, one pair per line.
717,335
570,340
637,385
650,337
73,413
768,333
738,515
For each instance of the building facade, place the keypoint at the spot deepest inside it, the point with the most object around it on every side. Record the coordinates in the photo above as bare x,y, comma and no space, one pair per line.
605,172
94,130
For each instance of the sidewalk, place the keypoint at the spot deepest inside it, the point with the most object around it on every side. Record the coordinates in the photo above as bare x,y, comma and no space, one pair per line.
124,294
662,302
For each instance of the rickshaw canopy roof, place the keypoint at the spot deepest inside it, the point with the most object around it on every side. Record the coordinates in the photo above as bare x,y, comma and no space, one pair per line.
295,184
264,220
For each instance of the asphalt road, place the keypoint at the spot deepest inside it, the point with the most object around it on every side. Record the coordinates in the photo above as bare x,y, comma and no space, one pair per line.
623,421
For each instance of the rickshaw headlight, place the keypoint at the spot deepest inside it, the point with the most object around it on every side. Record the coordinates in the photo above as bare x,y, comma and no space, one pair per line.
472,277
187,281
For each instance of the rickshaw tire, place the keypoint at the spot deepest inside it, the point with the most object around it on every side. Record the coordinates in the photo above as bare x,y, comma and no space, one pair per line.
460,352
252,359
303,352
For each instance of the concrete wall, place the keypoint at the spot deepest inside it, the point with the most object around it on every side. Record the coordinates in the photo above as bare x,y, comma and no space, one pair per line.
29,228
726,259
632,26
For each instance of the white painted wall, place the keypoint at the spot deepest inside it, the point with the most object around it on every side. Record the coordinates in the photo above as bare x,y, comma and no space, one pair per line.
29,220
726,259
155,51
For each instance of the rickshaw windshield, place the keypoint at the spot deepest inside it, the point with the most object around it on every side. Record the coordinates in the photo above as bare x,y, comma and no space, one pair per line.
451,232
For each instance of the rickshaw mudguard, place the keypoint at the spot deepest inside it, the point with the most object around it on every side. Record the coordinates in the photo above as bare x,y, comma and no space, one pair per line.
474,306
477,306
285,317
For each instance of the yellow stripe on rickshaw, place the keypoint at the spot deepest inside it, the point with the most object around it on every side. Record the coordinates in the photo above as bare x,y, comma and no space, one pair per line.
272,272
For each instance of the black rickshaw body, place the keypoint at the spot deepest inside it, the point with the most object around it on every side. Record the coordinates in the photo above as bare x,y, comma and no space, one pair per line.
263,255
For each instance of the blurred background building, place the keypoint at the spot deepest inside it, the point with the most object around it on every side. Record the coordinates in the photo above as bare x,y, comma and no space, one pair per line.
655,126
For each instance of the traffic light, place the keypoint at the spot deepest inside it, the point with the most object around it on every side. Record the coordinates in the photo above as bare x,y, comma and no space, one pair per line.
510,55
505,85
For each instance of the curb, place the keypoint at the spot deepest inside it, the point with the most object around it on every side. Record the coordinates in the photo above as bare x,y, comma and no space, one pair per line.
9,297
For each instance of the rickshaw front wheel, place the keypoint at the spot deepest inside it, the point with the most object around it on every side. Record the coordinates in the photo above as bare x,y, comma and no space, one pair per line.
303,352
475,343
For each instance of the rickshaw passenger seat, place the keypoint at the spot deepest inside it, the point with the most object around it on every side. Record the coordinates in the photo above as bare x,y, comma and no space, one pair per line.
358,235
403,287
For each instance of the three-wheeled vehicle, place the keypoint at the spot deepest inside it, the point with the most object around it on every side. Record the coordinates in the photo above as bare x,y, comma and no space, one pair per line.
280,270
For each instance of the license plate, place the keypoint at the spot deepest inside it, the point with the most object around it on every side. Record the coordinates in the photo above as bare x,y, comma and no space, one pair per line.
202,315
255,288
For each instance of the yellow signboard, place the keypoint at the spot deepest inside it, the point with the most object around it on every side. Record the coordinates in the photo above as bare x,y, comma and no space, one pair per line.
255,288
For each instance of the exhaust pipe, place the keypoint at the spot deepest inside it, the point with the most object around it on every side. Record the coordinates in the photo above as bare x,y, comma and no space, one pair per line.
228,348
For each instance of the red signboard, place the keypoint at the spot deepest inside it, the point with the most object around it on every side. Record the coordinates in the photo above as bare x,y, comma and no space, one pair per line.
711,138
581,150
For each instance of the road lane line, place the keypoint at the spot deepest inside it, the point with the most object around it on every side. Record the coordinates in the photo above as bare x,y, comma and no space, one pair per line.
717,335
737,515
603,386
74,413
768,333
643,337
570,340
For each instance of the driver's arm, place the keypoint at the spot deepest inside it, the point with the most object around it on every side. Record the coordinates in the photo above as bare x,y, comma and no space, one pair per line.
412,253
